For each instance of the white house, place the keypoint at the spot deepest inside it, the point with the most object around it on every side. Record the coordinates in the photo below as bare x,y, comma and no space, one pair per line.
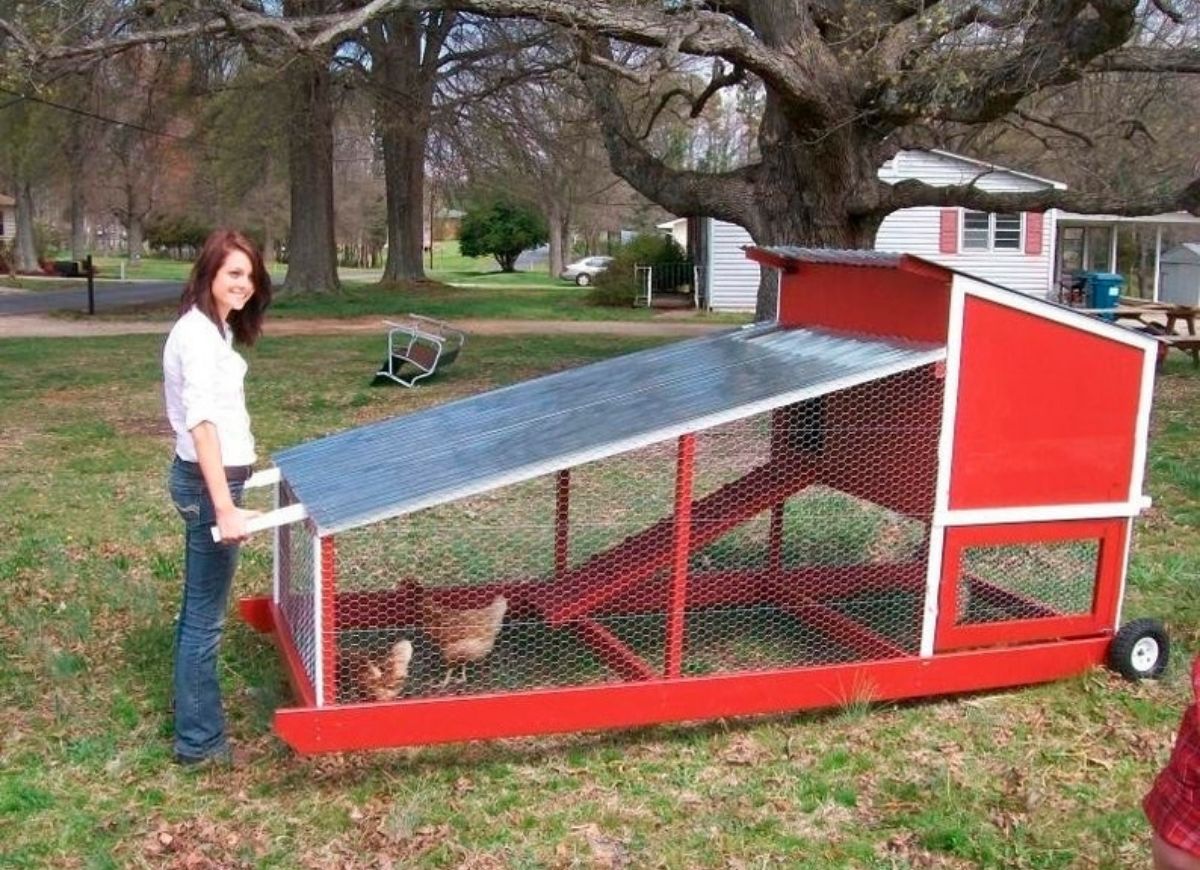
8,218
1014,250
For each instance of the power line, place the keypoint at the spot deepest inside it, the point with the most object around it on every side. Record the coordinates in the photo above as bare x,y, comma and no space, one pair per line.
85,113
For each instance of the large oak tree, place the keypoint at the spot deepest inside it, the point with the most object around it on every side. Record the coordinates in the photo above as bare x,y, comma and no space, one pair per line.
846,82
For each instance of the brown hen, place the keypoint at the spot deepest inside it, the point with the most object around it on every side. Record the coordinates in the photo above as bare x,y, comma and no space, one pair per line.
463,636
382,681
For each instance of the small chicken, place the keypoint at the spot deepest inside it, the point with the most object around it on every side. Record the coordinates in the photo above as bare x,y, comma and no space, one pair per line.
464,636
383,681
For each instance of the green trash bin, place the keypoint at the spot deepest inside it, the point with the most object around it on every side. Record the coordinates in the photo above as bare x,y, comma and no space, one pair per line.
1104,290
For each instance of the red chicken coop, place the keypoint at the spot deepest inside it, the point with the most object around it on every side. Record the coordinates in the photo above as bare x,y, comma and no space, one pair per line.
912,483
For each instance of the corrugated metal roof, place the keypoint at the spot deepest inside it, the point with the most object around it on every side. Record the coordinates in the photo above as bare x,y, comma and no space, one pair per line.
836,256
472,445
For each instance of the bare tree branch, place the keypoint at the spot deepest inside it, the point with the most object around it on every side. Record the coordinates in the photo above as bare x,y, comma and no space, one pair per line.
911,193
720,79
1168,10
1150,60
725,195
1053,125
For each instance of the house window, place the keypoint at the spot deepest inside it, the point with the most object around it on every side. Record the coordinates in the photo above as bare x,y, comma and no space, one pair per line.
988,231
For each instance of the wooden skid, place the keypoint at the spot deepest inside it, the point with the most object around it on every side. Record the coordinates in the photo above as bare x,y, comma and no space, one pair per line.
444,720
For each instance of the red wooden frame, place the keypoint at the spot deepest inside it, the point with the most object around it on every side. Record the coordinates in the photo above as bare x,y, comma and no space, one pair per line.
1110,563
329,641
684,466
348,727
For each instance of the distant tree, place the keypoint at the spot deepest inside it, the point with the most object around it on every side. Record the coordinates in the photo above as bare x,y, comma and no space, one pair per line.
503,229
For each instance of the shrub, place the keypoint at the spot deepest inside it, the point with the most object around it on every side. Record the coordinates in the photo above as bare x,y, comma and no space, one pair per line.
501,228
617,285
179,237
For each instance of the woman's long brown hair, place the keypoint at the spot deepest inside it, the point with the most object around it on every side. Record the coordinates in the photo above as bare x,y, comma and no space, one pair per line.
247,323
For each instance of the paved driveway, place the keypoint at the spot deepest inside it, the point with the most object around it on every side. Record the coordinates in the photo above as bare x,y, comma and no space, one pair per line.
109,295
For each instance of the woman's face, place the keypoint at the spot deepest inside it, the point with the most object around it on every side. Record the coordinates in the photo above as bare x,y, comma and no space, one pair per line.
232,286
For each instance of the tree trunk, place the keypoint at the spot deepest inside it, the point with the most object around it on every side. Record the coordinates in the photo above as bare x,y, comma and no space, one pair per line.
79,244
404,179
402,106
25,248
135,237
268,246
557,224
804,193
76,151
312,251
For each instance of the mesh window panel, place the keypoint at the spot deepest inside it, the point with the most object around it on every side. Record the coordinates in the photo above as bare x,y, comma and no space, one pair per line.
1027,581
296,575
807,544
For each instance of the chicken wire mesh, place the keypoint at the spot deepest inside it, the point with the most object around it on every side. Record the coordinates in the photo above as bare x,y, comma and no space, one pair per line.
1027,581
297,577
804,541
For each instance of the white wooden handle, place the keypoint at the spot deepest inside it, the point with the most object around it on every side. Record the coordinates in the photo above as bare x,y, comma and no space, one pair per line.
265,477
293,513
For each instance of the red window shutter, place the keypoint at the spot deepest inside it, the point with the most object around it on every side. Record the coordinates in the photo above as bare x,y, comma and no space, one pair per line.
948,236
1033,233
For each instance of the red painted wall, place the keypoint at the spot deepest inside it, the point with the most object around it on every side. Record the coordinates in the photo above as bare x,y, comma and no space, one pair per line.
878,301
1046,413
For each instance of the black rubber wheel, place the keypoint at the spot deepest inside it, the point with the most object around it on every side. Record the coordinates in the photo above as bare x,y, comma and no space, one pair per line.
583,279
1140,650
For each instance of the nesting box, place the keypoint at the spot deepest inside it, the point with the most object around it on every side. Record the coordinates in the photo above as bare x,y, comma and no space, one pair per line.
911,483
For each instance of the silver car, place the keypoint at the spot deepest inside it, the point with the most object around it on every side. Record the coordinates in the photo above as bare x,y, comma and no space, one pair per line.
583,271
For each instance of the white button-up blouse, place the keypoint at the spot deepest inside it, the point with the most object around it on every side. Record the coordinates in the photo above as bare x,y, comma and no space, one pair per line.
202,379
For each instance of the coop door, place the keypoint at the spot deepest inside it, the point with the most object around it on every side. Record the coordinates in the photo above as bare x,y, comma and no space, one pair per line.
1019,583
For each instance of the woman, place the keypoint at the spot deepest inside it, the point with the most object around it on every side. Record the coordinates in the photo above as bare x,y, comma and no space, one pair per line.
224,301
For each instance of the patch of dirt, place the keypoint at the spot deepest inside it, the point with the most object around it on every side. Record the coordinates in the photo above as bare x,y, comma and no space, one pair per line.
154,426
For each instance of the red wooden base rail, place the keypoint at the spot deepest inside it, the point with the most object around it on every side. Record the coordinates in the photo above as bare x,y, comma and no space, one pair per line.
586,708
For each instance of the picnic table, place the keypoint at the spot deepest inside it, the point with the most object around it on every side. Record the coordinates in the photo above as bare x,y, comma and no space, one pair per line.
1147,313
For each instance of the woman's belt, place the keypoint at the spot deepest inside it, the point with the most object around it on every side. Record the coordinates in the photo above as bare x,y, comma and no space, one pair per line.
233,473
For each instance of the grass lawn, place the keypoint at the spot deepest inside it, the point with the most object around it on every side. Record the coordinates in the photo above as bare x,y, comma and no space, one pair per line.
559,302
1047,777
459,288
35,283
447,266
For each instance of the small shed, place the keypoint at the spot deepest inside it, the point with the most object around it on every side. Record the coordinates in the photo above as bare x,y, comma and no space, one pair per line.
881,495
1181,275
1014,250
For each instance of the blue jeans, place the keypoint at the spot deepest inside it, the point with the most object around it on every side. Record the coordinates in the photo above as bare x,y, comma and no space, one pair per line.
208,570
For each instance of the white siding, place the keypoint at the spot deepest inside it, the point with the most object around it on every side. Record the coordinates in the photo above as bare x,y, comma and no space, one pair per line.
732,279
8,217
916,231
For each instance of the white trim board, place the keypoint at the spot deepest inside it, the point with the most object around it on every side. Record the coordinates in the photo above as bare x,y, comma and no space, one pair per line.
1039,513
